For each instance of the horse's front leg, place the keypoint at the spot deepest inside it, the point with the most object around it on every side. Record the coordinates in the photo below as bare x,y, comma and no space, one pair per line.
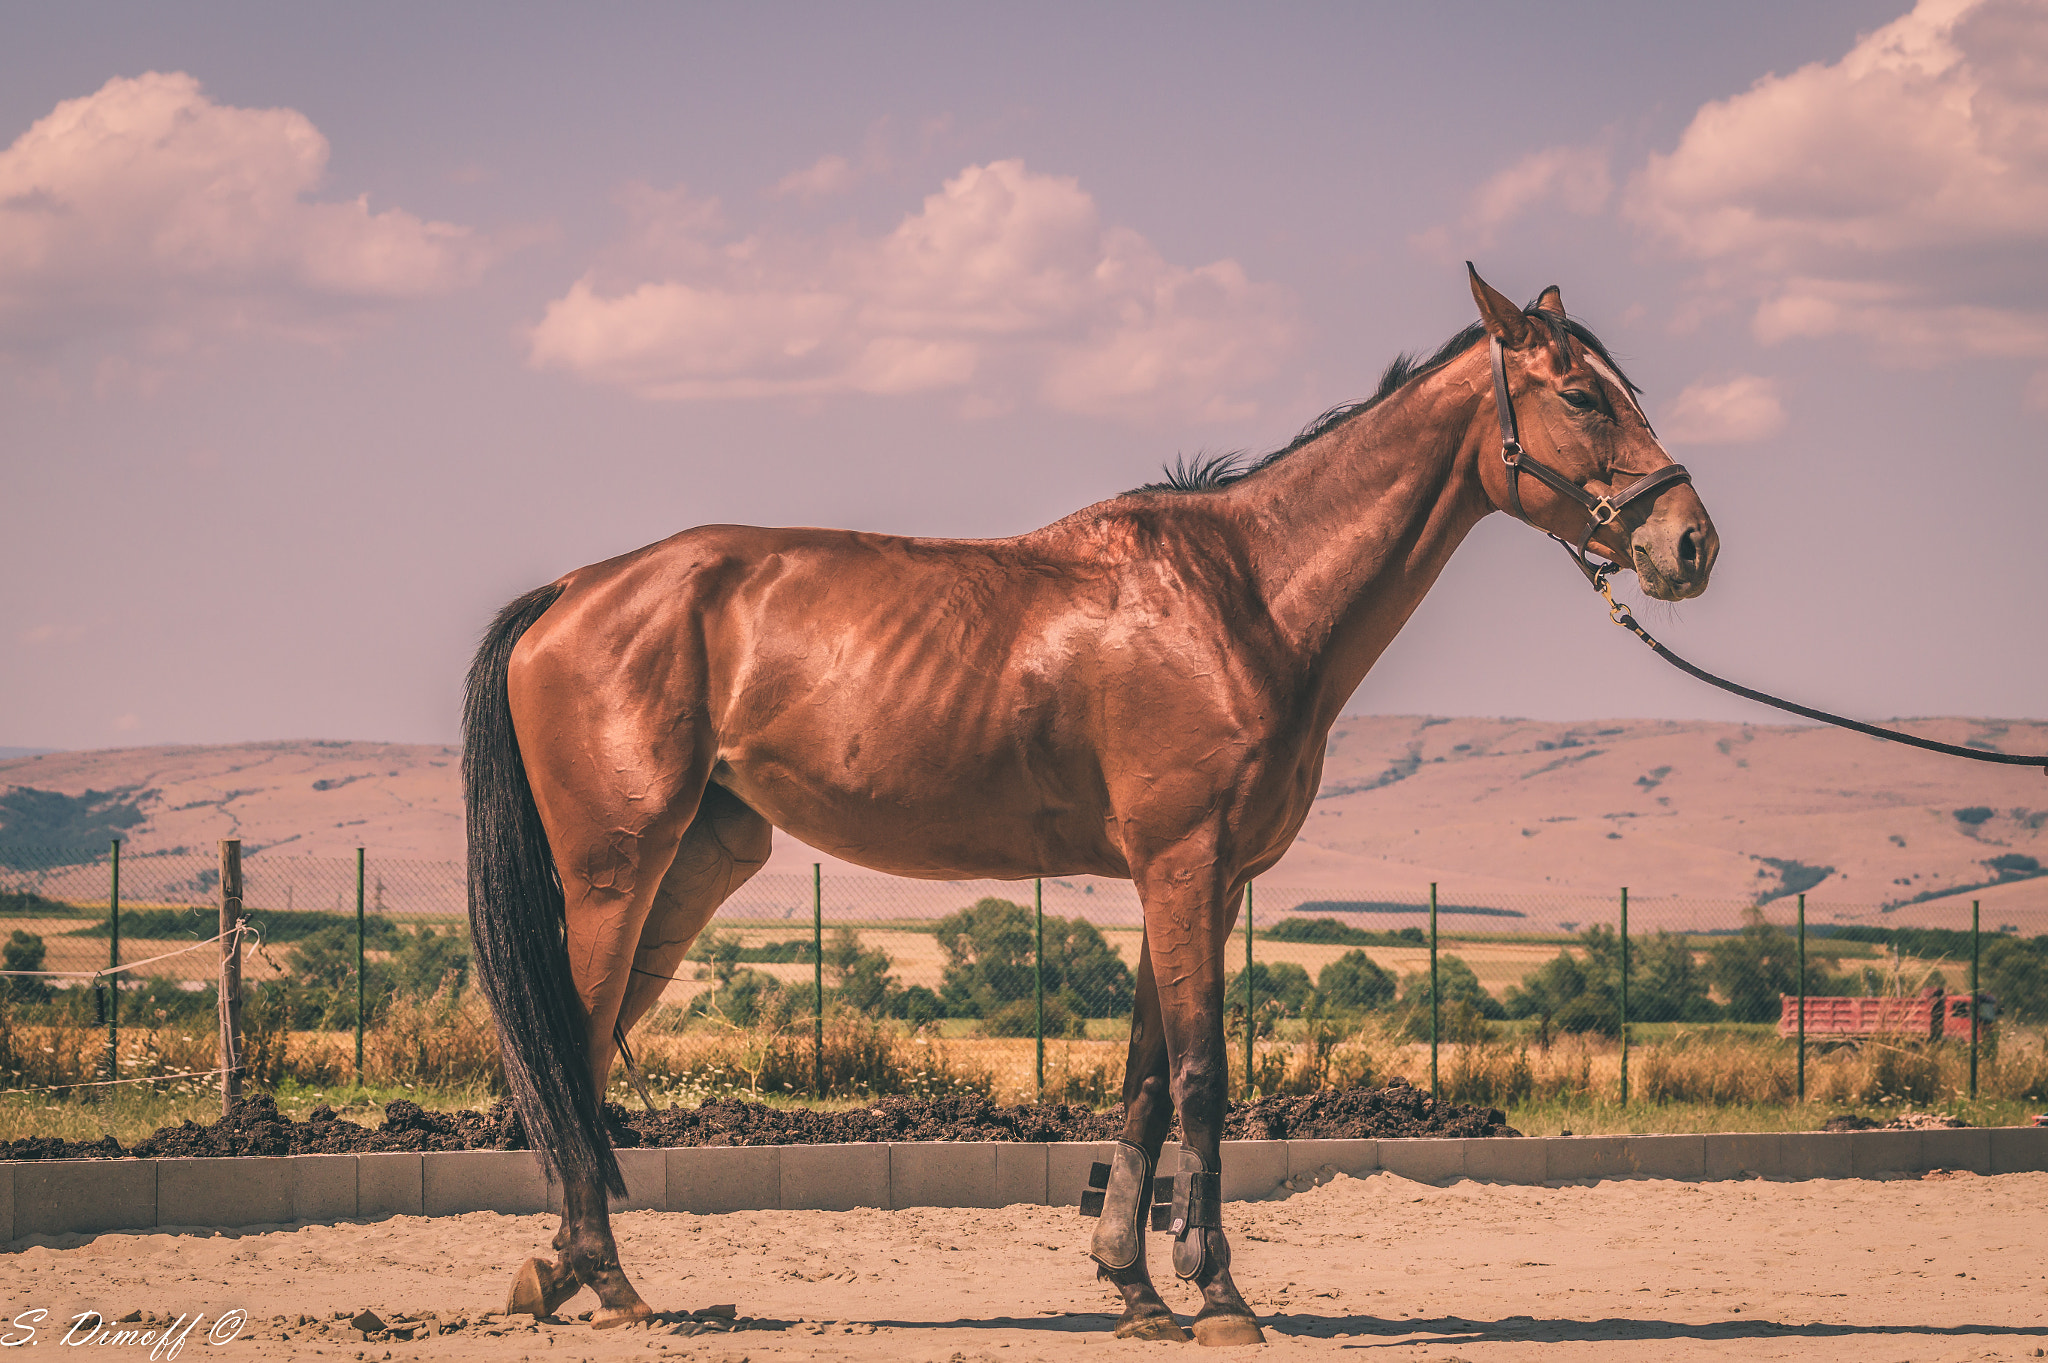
1187,924
1119,1244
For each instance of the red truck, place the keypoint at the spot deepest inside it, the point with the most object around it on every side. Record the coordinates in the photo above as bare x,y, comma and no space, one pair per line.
1932,1016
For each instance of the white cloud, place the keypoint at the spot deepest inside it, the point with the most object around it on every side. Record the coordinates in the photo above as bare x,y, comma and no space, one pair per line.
826,176
1574,178
1734,411
1005,284
147,206
1899,194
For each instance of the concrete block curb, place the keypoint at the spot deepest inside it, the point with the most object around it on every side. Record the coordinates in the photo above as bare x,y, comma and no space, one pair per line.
1507,1159
55,1197
2019,1149
457,1181
1317,1159
1254,1170
1022,1174
1674,1157
1884,1152
1814,1154
1066,1168
1424,1159
324,1187
1964,1148
942,1174
835,1178
710,1179
389,1185
1741,1154
244,1191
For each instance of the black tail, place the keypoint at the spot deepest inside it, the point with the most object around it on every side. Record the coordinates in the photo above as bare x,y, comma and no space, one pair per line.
516,923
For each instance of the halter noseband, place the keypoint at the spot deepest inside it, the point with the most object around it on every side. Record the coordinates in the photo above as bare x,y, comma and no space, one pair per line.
1600,511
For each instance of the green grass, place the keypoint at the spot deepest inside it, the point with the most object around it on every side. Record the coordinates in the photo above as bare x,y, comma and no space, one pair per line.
1608,1118
131,1114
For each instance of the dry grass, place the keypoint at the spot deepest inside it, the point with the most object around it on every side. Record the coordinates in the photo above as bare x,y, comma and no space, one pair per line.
689,1060
443,1052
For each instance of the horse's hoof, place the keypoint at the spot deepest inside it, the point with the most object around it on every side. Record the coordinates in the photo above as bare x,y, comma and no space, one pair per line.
612,1317
536,1291
1164,1329
1222,1330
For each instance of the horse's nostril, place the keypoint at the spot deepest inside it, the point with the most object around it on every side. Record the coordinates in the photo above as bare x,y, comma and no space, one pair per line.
1689,551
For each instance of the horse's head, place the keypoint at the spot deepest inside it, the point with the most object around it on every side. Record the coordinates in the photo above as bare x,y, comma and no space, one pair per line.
1584,449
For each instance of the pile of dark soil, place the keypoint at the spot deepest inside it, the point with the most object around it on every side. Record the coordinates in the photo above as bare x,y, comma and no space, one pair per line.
1396,1110
256,1127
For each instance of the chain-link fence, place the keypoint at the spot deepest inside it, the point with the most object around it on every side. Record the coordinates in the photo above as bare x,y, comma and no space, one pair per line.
357,971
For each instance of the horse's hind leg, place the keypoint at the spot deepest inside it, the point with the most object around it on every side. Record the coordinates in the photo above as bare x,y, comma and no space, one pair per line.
1119,1243
726,844
612,846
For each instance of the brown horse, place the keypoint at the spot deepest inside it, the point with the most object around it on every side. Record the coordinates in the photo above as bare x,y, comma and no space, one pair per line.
1143,689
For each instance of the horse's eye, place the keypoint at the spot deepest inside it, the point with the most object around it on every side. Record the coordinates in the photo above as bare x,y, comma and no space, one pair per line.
1580,399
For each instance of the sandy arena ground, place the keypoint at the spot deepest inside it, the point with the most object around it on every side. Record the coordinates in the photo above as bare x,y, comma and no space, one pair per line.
1951,1267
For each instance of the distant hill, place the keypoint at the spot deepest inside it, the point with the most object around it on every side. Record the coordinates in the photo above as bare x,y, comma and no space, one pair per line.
1492,808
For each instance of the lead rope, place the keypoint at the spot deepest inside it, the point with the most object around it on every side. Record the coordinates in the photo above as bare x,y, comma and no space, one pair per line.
632,1070
1621,615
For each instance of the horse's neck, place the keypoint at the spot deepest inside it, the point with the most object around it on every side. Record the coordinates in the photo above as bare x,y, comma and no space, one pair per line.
1354,528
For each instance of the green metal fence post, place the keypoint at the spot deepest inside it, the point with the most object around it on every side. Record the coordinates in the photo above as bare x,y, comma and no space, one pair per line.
1973,1000
1038,975
818,978
1432,990
113,964
359,968
1802,998
1250,1028
1624,996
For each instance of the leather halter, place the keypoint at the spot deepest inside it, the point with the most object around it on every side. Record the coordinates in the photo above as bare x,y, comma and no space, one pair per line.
1600,511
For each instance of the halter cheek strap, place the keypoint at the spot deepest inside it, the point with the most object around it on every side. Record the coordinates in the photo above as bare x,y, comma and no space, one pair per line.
1600,511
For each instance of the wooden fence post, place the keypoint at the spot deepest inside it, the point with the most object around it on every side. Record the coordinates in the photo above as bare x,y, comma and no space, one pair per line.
230,974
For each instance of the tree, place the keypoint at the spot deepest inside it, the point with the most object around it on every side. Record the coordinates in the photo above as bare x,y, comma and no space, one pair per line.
990,947
1545,991
747,997
1091,979
1754,969
25,951
1355,983
324,967
1459,983
1673,987
1282,985
427,962
2016,974
860,974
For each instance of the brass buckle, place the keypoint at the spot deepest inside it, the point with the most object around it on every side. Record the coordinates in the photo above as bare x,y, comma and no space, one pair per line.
1605,513
1615,610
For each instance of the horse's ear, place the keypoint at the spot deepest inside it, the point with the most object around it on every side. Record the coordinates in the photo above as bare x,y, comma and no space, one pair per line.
1551,301
1504,321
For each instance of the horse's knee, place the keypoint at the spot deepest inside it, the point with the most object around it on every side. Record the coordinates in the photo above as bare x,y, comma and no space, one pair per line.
1202,1088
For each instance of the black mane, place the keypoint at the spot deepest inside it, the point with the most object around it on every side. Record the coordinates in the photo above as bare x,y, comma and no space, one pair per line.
1206,473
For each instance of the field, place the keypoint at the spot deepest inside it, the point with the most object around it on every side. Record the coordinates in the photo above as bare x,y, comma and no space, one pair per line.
1622,1270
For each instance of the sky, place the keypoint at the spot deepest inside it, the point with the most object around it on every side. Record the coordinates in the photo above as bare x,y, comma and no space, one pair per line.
326,330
